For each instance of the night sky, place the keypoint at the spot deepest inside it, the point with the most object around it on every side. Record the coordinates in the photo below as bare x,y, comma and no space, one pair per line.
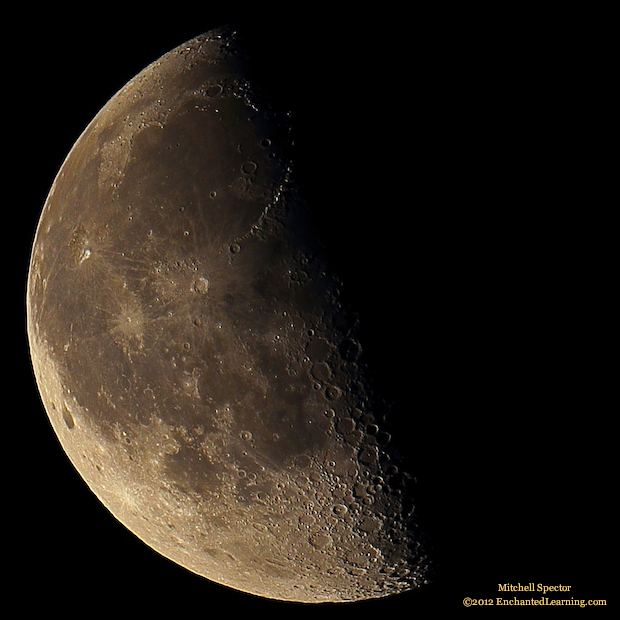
449,159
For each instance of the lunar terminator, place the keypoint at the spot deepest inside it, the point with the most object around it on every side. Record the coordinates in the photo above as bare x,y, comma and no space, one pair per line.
192,351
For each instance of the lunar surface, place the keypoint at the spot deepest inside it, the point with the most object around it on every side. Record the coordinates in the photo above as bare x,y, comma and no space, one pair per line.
194,355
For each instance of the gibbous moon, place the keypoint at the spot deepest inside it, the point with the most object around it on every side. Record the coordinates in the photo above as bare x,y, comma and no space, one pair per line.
192,351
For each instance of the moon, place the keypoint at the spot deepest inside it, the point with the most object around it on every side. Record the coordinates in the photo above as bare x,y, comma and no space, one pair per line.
194,354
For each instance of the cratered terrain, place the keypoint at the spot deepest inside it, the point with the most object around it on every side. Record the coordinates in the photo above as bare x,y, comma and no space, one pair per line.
193,352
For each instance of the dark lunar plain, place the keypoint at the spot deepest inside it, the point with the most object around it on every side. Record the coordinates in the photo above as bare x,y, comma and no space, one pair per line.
449,159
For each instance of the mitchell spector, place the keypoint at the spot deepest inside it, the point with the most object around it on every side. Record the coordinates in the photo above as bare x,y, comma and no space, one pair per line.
510,587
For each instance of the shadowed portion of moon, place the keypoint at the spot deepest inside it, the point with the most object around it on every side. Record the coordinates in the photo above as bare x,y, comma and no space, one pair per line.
193,353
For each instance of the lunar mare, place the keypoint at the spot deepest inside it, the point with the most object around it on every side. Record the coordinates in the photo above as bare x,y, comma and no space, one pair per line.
192,351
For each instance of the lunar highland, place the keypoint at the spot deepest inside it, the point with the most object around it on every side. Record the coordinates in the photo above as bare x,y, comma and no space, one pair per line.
193,352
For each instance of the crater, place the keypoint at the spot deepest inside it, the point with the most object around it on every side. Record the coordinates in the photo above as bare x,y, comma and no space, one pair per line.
68,418
128,323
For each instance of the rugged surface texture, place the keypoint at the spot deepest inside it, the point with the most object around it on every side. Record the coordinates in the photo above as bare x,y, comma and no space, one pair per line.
192,351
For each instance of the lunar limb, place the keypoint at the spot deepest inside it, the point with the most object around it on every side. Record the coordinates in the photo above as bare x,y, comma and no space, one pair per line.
192,351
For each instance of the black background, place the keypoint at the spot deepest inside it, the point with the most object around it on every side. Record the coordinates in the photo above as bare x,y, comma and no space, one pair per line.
452,160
